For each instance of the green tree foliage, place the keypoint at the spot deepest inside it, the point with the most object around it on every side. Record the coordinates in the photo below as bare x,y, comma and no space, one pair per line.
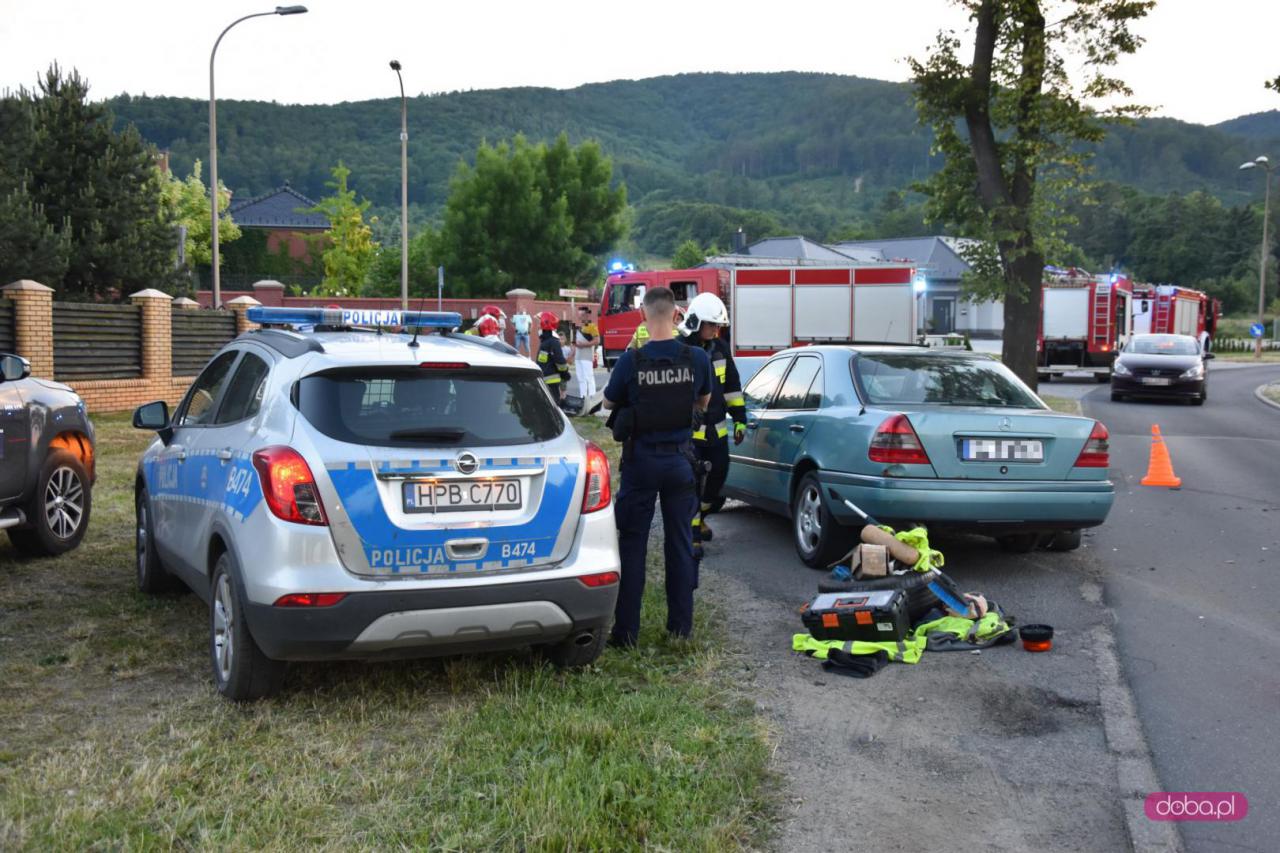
30,247
1010,124
533,216
688,255
661,226
188,203
813,152
98,190
1192,240
349,246
384,277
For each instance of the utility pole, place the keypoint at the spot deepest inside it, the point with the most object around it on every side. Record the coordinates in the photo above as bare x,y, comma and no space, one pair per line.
213,143
404,192
1265,165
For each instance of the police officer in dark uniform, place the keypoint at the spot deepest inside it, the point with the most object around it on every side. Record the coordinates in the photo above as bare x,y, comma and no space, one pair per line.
656,390
704,318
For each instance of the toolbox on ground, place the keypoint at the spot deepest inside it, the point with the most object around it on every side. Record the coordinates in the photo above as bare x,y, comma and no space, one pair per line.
873,616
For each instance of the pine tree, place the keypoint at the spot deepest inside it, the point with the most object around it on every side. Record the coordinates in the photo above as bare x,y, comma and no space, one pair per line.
97,188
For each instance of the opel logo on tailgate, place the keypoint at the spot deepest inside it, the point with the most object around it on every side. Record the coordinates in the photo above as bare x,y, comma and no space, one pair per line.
466,462
1005,424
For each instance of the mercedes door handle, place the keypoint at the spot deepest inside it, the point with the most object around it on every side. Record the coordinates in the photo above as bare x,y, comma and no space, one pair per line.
224,455
796,428
752,424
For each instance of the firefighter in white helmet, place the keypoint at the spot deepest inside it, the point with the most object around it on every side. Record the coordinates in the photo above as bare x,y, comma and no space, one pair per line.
704,320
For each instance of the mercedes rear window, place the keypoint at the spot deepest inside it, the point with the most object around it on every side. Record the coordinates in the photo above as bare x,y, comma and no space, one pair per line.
415,407
889,379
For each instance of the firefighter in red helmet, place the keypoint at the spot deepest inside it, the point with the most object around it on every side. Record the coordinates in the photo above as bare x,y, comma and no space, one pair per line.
555,369
488,328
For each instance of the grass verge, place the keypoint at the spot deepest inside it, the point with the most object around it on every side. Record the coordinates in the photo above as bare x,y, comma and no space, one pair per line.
1065,405
112,735
1272,392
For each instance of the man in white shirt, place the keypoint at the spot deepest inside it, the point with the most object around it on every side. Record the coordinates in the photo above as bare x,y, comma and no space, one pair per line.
522,323
585,338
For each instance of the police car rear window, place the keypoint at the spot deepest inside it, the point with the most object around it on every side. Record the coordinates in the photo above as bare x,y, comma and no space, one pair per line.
413,407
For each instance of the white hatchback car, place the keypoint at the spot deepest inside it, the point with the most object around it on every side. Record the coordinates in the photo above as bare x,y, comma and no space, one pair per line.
350,493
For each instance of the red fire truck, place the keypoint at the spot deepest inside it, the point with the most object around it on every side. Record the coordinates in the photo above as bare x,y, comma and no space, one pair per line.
1086,319
1172,310
775,307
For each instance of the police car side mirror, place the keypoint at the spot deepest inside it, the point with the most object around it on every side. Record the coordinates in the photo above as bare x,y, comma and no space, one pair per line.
13,368
1209,355
154,416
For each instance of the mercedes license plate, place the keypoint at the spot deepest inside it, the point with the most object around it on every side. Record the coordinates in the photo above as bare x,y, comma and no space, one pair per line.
1002,450
1153,380
461,495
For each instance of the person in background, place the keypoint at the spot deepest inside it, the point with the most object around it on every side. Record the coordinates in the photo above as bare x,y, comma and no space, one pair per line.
655,391
522,323
555,369
585,338
706,316
488,328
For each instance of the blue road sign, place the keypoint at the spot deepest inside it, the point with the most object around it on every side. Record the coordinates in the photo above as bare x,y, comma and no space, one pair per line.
1256,330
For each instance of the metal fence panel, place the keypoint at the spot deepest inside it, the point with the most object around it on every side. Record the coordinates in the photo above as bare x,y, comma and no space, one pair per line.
197,335
7,337
96,341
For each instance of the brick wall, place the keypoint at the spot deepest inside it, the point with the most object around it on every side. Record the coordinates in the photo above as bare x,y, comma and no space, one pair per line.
33,334
33,328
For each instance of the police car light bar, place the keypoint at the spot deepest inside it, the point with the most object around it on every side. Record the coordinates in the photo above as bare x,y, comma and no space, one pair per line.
353,317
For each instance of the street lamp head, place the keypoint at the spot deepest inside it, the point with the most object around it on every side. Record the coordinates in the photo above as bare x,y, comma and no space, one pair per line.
1248,165
291,10
1261,161
395,65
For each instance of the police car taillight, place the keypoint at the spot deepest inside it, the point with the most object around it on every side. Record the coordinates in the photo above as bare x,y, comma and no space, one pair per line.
598,491
288,486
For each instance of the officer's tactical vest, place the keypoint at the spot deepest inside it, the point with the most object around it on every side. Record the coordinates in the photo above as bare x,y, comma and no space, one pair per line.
666,385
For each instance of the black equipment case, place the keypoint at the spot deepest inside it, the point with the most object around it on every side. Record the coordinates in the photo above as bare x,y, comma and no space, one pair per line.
875,616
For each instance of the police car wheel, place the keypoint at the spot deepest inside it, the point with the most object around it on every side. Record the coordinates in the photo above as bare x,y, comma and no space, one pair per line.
241,671
153,578
578,650
819,539
58,514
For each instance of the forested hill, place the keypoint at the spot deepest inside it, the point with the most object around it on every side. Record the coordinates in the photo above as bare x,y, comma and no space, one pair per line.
808,148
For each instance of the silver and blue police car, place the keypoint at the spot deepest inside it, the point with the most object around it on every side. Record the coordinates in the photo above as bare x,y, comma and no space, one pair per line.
353,493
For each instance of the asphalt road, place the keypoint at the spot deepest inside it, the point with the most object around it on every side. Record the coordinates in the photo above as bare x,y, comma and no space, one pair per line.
1004,748
1193,576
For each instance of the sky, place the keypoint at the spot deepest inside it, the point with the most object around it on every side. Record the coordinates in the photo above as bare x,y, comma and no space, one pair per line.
1204,61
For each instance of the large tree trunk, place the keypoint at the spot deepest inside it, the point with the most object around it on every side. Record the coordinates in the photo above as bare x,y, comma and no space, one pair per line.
1022,314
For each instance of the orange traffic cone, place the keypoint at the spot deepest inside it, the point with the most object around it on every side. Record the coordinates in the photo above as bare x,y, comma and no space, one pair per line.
1160,469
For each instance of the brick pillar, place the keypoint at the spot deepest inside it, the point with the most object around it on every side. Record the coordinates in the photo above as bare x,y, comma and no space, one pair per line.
33,324
157,338
269,292
239,306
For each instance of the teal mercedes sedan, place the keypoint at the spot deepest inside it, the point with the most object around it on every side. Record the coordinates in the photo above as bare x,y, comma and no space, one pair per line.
950,440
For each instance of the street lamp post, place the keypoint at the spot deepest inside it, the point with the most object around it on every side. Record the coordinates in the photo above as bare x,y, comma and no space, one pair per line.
213,143
1265,165
404,192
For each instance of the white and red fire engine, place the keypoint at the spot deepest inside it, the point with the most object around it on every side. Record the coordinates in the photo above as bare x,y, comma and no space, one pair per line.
1086,318
775,305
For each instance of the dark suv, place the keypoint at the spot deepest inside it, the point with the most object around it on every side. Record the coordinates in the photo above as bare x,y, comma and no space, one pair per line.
46,461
